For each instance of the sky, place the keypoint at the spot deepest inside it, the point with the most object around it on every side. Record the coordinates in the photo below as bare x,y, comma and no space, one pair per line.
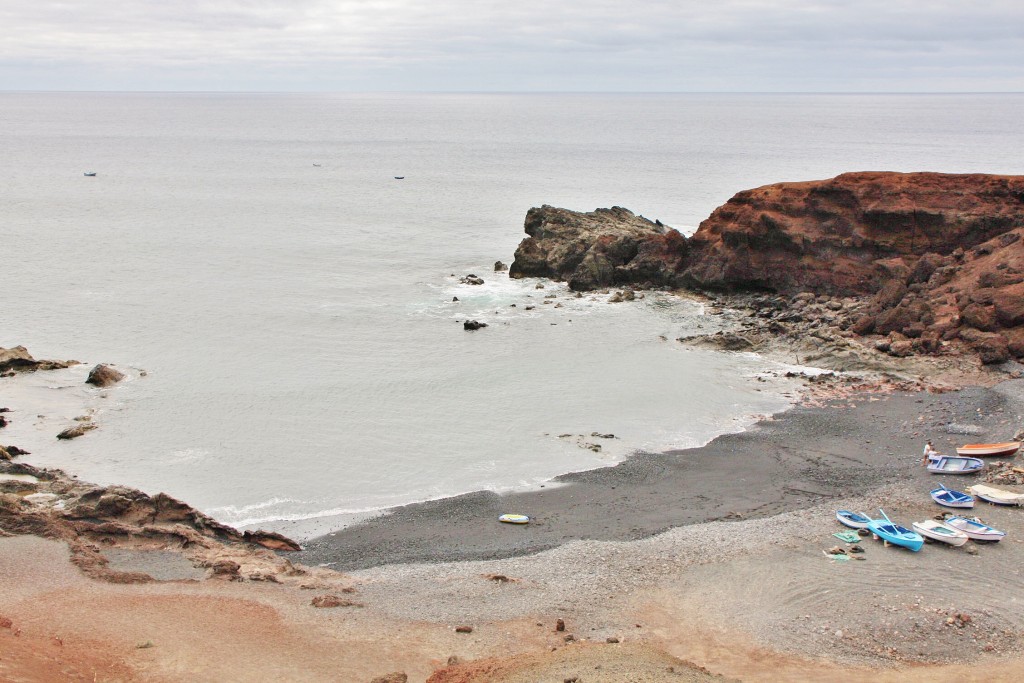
513,45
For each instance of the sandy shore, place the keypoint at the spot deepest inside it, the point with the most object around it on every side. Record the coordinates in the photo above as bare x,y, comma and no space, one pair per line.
710,558
785,463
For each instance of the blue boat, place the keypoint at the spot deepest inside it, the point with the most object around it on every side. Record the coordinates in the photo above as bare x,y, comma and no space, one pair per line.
951,498
854,520
889,532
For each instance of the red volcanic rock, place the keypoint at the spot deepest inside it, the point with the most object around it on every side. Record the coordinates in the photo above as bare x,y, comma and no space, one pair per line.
603,248
834,236
935,257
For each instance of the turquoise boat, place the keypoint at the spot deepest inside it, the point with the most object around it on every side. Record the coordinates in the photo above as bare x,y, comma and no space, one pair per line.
889,532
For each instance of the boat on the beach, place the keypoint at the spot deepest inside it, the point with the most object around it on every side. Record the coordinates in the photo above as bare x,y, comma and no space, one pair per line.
951,498
514,519
940,531
895,534
854,520
989,449
975,529
997,496
954,464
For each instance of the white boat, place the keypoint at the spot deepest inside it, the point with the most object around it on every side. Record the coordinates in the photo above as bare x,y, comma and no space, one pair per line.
854,520
954,464
997,496
975,529
989,449
938,531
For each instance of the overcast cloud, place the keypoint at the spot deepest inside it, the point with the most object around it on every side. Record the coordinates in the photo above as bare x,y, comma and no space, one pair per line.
594,45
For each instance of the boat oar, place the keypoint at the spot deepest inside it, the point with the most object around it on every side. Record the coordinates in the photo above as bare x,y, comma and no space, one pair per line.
885,515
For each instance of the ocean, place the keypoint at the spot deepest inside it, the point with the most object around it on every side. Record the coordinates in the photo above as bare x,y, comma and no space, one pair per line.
285,305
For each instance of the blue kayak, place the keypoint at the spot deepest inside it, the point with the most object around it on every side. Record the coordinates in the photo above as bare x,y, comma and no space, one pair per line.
889,532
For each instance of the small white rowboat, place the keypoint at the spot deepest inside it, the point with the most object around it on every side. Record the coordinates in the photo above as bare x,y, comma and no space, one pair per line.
854,520
953,464
938,531
975,529
975,450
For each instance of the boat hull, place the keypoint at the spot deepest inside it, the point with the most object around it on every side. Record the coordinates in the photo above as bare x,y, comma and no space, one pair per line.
948,464
943,533
952,499
853,520
896,535
975,530
975,450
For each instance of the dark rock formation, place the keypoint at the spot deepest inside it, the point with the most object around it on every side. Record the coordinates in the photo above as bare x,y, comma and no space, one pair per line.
471,279
104,376
934,257
18,359
76,431
599,249
499,267
473,325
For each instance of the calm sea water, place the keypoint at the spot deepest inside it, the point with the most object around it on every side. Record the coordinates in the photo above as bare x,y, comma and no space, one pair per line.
291,302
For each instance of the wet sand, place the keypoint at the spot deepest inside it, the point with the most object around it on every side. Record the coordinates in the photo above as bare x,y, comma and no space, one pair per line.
789,462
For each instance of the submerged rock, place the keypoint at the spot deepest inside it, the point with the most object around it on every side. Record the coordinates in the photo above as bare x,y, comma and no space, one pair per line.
104,376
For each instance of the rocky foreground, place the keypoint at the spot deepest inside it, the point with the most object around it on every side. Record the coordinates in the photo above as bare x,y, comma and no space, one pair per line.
926,263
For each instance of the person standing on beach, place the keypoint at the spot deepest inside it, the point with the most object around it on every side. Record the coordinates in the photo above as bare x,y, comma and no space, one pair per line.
929,452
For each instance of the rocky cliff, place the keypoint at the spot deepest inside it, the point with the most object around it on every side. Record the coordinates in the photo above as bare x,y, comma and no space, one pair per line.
598,249
934,257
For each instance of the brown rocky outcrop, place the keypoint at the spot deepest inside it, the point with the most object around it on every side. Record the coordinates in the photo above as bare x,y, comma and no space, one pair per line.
18,359
103,376
933,257
89,517
603,248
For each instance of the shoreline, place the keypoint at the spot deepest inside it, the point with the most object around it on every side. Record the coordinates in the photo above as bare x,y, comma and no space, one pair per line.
808,453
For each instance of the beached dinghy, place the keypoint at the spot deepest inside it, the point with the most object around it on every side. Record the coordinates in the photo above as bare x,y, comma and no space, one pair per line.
954,464
975,529
854,520
997,496
889,532
976,450
951,498
940,532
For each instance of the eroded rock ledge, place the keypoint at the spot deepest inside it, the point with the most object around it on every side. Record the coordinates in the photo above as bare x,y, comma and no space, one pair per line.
927,257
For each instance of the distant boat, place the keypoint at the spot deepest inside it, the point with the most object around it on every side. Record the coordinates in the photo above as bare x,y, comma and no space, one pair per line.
895,534
951,498
854,520
954,464
399,177
317,165
976,529
940,532
989,449
90,174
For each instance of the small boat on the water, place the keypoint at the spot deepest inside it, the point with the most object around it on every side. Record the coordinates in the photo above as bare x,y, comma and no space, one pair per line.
90,174
895,534
975,529
997,496
954,464
989,449
854,520
951,498
939,531
399,177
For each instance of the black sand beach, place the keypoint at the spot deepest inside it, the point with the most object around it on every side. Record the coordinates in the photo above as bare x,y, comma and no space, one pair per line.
788,462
